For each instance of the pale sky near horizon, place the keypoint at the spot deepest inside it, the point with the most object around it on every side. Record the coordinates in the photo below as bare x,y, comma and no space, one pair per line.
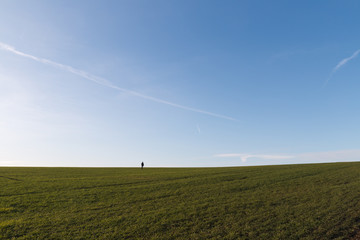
178,83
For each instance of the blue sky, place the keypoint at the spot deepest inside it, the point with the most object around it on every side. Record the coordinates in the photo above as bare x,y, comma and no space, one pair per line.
178,83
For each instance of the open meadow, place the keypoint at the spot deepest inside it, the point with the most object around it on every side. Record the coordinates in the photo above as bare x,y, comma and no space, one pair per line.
315,201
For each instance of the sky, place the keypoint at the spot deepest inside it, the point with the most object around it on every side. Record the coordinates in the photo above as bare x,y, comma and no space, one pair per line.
178,83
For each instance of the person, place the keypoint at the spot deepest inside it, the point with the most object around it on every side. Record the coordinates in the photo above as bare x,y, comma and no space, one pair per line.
142,165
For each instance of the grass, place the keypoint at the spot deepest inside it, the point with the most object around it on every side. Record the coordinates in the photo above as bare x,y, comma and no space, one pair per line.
315,201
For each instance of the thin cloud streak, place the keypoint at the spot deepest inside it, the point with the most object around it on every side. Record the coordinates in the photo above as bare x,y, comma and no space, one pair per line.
345,60
107,83
244,157
198,128
331,156
340,64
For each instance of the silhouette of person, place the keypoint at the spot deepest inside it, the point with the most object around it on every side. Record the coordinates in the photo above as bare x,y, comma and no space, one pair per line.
142,165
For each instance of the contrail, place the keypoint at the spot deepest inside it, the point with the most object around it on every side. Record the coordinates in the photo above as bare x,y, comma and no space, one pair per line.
107,83
340,64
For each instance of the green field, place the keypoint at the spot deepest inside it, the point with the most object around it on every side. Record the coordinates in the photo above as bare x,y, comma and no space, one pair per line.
315,201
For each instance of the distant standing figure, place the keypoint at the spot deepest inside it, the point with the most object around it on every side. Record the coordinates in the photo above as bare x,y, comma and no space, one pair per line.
142,165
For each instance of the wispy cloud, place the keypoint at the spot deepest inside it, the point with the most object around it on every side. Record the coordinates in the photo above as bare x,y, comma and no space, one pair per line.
244,157
330,156
198,128
107,83
345,60
340,64
11,163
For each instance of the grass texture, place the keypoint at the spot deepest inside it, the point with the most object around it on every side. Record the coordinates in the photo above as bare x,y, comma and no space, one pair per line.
315,201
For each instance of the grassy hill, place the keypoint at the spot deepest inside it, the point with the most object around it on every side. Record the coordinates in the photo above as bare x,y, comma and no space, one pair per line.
316,201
